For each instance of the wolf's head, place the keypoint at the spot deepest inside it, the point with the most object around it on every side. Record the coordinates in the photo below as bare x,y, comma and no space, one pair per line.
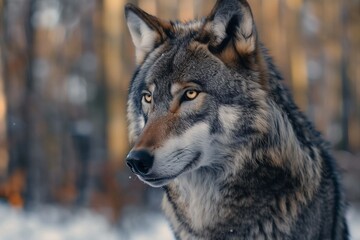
199,88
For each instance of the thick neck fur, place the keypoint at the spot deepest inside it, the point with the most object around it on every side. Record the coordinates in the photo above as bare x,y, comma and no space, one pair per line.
265,183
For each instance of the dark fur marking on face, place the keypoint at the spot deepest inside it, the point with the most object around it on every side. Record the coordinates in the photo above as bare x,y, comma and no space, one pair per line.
216,126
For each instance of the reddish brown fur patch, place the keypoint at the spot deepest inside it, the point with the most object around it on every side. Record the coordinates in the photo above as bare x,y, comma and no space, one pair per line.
245,46
155,132
229,55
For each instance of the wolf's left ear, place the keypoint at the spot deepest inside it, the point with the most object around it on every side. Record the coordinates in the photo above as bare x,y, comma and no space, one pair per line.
146,30
231,29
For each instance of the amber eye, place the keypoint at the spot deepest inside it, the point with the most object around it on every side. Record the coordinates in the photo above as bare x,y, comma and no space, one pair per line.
147,97
191,94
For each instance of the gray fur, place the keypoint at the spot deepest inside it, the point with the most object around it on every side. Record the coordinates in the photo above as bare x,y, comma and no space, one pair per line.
240,161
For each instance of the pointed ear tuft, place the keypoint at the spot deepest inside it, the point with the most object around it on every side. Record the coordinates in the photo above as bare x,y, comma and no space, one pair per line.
231,25
146,30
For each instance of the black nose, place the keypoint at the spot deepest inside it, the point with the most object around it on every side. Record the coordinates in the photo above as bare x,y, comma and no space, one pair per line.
140,161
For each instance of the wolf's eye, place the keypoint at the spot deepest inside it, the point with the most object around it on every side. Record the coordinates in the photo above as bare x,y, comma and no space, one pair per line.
147,97
191,95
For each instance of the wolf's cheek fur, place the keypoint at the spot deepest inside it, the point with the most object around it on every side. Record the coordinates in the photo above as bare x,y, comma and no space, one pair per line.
179,153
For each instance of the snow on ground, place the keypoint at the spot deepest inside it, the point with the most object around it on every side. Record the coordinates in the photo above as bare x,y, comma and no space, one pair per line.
141,225
353,218
54,223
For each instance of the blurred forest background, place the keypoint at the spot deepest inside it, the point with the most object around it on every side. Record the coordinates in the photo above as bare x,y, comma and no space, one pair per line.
65,67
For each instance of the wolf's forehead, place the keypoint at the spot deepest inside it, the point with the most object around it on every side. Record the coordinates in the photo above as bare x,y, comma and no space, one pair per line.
184,28
181,59
168,67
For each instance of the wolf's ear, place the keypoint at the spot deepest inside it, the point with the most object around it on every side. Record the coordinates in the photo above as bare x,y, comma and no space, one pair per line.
231,29
146,30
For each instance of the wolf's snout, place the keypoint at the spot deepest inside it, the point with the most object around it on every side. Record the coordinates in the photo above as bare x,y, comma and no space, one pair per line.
140,161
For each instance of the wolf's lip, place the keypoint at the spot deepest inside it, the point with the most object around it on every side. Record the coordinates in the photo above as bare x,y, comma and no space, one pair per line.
158,179
187,167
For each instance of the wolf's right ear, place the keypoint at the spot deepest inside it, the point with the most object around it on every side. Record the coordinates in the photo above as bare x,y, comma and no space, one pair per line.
146,30
231,29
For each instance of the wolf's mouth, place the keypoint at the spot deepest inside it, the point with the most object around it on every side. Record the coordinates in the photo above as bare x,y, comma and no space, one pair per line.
189,166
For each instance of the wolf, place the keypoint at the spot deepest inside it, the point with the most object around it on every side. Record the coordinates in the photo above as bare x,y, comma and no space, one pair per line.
211,121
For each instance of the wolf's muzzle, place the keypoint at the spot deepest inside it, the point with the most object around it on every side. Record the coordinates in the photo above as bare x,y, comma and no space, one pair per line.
140,161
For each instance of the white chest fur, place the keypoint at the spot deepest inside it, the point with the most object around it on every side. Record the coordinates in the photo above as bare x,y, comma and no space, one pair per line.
198,198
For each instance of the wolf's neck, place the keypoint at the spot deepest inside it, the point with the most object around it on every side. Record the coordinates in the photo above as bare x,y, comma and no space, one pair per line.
283,171
193,198
286,150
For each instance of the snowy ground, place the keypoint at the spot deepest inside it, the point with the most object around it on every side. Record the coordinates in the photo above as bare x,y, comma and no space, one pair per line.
354,221
53,223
